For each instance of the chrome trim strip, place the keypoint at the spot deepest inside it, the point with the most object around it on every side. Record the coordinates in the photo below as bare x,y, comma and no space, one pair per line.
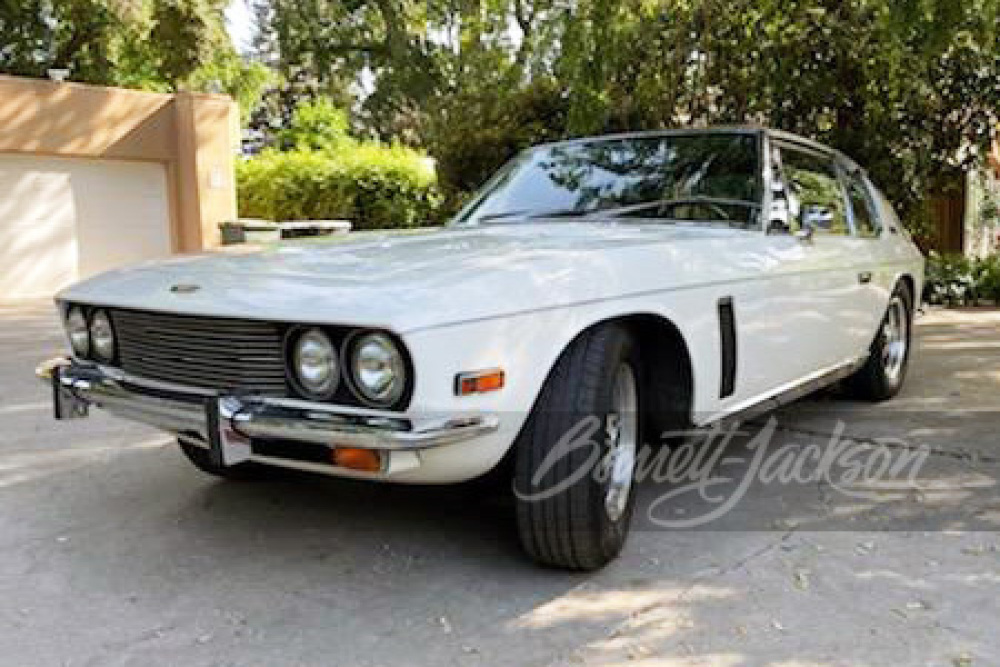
789,395
260,416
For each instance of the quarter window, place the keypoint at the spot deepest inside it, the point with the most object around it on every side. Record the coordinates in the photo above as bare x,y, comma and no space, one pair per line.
812,189
866,221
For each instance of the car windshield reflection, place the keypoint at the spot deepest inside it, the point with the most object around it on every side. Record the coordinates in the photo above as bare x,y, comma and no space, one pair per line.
710,178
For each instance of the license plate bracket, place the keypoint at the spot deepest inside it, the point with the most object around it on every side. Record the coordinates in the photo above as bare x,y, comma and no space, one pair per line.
65,402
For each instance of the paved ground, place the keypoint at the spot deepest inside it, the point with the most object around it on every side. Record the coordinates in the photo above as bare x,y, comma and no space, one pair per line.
113,550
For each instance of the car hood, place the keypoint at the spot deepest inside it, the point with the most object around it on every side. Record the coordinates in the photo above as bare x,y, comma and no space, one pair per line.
408,281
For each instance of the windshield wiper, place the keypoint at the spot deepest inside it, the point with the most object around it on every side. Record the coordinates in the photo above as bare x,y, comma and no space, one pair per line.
666,203
621,211
528,214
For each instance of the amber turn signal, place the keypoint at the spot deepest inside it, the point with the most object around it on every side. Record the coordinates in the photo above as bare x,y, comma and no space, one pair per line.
366,460
479,382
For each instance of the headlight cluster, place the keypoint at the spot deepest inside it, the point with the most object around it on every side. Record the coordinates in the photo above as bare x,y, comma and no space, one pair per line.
91,337
369,368
315,363
377,369
371,364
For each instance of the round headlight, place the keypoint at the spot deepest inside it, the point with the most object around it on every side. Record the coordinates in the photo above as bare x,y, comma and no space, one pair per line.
378,369
76,329
314,361
102,336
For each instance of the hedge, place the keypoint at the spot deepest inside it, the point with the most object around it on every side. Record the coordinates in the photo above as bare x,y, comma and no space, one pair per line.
373,186
956,280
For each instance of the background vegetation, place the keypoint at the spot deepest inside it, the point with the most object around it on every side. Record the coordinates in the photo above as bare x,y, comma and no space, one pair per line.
322,173
910,88
956,280
162,45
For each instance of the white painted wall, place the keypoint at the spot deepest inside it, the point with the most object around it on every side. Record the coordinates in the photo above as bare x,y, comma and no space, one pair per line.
62,219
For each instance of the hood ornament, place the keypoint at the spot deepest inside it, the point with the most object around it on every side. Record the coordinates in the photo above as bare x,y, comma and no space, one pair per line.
184,288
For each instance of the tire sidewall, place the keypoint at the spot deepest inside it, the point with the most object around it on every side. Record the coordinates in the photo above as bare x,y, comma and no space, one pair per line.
560,494
614,532
890,387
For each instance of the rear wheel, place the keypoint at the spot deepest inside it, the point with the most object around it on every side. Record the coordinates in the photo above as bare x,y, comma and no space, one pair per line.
882,376
575,459
199,456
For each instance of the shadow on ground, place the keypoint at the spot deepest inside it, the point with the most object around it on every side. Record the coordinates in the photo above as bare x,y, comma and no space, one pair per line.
114,551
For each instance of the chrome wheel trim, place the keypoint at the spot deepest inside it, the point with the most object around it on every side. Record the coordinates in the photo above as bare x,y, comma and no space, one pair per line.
895,337
623,439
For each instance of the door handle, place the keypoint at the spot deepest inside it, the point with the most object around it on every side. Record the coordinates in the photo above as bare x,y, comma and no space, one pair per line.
865,277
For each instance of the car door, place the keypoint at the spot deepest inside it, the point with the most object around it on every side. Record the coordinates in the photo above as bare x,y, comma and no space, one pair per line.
874,277
787,317
825,265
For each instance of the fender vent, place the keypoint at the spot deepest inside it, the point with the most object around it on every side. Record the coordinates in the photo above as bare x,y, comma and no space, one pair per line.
727,348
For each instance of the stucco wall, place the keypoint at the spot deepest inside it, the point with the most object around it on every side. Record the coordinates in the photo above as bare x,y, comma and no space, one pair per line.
190,134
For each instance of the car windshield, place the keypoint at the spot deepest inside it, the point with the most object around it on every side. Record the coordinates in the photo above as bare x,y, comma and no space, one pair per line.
704,178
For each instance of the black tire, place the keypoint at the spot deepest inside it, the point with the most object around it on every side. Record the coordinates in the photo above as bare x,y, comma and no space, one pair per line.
573,528
878,380
243,472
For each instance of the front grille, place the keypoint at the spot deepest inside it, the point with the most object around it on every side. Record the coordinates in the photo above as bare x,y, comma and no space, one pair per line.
208,352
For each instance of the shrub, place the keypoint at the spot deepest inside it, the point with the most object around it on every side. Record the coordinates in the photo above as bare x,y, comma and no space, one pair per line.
955,280
391,187
376,187
988,278
317,124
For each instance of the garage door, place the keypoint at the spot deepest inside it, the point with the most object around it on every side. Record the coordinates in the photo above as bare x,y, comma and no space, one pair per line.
63,219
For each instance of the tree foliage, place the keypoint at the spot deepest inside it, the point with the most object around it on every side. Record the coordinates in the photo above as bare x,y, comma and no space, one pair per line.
910,88
317,125
151,44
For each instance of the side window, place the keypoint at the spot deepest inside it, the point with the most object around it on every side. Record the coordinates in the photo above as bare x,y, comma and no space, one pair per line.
866,220
813,193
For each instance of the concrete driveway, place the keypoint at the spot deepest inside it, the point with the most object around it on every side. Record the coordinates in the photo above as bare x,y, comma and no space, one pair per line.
114,550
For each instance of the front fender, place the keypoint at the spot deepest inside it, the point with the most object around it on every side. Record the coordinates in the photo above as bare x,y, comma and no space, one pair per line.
526,346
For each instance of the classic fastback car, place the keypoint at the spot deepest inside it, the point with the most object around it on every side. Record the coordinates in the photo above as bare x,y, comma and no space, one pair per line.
593,295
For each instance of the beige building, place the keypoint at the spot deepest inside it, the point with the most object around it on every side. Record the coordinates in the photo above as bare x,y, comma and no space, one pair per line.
92,178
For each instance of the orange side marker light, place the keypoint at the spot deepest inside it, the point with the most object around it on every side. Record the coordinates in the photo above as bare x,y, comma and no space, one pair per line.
366,460
479,382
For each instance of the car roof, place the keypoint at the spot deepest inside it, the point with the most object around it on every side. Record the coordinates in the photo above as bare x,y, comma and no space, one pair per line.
780,135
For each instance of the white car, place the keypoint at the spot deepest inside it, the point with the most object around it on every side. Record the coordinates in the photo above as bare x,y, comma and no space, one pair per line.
610,289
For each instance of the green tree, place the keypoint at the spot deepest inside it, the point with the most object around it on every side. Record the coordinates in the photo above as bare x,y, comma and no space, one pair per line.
413,58
151,44
246,82
909,88
317,124
81,35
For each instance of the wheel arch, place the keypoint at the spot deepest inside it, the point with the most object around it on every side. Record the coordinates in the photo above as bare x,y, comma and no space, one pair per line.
667,374
911,285
530,348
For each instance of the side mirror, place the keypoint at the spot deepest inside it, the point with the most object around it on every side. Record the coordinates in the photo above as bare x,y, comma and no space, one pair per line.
815,217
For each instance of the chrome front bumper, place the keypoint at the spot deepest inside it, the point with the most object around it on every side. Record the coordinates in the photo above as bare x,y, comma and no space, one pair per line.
182,410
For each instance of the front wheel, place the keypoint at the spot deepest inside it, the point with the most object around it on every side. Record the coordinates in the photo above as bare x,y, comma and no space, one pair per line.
575,460
882,376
